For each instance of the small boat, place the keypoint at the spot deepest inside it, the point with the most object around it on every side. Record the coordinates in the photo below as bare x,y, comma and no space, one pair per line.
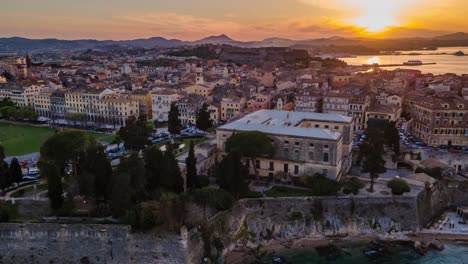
413,63
278,260
459,53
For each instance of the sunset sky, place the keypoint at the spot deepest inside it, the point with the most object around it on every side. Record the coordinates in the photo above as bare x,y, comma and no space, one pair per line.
240,19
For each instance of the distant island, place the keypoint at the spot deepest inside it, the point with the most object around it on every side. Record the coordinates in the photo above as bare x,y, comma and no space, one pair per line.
332,45
459,53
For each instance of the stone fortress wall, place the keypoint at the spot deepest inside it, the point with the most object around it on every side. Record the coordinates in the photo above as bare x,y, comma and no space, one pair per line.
79,243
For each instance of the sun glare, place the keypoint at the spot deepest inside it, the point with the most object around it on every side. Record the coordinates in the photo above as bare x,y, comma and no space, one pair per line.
373,60
376,16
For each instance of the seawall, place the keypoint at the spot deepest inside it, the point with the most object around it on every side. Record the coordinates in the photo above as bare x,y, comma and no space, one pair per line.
59,243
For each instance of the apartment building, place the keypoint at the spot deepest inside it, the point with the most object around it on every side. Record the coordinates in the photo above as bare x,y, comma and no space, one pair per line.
144,99
232,108
306,143
161,101
188,107
307,100
440,121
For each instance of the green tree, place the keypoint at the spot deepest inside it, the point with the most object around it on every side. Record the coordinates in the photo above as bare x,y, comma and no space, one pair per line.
54,183
215,198
392,139
121,198
191,165
96,172
2,152
5,179
251,145
26,113
155,167
15,171
171,177
174,124
398,186
353,186
232,174
66,146
7,102
321,185
135,168
8,112
135,133
204,121
371,151
75,118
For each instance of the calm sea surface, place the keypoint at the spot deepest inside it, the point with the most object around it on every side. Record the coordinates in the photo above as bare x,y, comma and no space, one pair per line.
445,63
452,254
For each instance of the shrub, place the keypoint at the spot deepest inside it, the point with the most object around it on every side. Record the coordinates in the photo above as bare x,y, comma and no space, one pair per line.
353,186
398,186
321,185
202,181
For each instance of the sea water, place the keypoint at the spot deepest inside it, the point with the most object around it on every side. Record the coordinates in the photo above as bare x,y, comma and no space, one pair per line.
453,253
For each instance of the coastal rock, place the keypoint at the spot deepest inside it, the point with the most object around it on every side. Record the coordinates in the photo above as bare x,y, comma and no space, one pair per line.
421,247
437,244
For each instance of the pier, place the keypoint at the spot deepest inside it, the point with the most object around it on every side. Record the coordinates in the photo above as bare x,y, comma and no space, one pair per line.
396,65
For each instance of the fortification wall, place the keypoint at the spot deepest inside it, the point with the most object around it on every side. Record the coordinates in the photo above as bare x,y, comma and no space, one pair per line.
56,243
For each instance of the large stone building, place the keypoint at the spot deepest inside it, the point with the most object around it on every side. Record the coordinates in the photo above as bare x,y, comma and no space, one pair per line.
306,143
440,121
161,101
306,100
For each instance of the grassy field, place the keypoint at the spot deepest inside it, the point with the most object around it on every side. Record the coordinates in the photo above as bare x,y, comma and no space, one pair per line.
24,139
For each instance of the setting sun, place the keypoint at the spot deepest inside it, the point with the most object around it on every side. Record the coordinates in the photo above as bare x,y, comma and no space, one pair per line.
373,60
376,16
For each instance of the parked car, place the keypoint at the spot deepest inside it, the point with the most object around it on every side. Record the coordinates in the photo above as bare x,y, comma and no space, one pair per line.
33,171
30,178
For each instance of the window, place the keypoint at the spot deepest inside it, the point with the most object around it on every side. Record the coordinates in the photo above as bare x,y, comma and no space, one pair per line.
325,157
296,154
257,164
297,143
317,126
296,169
286,142
286,168
325,146
311,145
271,166
337,127
326,127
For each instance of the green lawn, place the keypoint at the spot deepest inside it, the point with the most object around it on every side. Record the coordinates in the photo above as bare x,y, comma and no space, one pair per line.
280,191
23,139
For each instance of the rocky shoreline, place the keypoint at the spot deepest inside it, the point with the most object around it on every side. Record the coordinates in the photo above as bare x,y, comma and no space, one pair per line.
332,248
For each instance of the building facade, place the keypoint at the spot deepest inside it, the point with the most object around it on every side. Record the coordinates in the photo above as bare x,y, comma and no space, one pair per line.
306,143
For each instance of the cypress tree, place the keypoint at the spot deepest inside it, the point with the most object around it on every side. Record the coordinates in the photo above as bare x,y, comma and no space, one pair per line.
174,124
15,171
191,165
204,121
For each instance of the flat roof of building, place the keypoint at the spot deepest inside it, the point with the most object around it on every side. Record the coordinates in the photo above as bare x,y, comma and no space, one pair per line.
287,123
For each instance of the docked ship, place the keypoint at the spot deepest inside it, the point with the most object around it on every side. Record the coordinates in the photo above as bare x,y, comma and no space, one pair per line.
413,63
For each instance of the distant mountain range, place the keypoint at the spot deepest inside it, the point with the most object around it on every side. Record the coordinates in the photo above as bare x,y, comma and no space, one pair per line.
17,44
